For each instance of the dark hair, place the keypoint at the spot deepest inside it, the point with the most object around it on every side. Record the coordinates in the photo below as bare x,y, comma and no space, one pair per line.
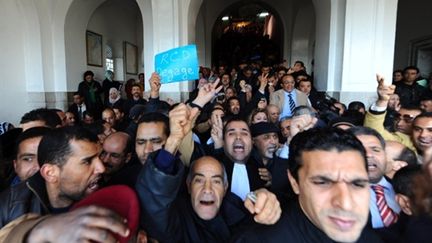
325,139
411,68
299,62
359,130
247,68
49,116
227,74
54,147
343,105
30,133
118,107
227,103
97,127
129,144
217,108
232,98
423,115
408,156
88,113
411,107
76,93
426,96
57,110
398,71
233,89
253,113
265,64
136,85
402,181
234,119
86,73
356,105
156,117
305,80
281,68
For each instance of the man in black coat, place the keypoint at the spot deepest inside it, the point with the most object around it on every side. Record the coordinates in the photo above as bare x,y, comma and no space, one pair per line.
272,168
233,147
91,90
409,90
135,100
328,172
209,213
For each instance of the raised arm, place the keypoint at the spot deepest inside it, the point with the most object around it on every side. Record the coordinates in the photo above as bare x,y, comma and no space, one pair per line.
375,116
205,95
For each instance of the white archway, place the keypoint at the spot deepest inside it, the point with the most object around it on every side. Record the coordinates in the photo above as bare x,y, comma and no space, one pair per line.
329,17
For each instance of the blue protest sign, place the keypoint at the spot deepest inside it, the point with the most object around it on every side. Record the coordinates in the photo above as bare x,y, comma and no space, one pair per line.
178,64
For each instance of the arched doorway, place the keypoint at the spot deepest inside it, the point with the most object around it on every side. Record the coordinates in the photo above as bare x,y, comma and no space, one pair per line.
247,33
117,22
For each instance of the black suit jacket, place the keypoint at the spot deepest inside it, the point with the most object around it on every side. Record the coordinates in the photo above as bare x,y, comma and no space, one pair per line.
255,181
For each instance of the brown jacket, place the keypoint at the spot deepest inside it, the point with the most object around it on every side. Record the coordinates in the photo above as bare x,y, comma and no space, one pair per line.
278,98
17,230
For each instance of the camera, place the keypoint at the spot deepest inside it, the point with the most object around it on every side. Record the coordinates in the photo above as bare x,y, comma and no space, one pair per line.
326,108
221,97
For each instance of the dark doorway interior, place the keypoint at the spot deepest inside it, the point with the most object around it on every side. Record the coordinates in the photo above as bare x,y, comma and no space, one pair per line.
250,32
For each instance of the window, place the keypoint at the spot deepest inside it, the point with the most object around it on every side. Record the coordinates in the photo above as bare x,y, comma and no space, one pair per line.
109,62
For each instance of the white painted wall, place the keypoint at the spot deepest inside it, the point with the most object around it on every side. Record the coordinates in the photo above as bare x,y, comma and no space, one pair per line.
304,35
368,48
117,22
12,62
77,18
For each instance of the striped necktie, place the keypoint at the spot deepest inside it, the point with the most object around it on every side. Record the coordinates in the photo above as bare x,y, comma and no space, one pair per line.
387,215
291,102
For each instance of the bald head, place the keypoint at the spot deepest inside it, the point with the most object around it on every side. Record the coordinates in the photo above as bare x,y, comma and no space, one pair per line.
116,151
398,156
393,149
273,113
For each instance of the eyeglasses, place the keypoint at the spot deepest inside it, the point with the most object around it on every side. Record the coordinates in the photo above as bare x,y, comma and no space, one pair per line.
406,117
113,155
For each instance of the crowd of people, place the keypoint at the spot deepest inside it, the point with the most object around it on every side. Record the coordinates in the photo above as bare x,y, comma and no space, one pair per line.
256,154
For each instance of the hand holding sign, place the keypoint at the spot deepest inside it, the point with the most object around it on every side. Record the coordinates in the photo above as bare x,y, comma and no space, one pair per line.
178,64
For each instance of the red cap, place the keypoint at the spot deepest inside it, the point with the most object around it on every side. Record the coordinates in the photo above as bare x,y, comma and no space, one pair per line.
120,199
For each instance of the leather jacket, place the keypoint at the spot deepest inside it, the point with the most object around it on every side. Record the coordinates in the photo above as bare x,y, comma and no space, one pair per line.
26,197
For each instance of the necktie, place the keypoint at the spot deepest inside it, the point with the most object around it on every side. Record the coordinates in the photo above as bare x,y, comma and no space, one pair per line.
387,215
80,112
291,102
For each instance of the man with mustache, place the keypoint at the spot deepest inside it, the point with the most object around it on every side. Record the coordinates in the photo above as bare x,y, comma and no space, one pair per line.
136,99
272,168
329,175
383,206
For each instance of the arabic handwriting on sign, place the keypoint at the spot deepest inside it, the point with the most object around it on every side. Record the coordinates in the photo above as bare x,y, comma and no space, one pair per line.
179,64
